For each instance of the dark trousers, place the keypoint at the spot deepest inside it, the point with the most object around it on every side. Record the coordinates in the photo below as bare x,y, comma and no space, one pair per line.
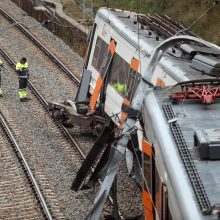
22,83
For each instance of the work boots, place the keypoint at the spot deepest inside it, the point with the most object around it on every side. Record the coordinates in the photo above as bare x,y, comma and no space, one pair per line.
22,95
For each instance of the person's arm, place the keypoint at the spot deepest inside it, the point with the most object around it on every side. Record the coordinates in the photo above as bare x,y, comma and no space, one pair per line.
18,68
1,63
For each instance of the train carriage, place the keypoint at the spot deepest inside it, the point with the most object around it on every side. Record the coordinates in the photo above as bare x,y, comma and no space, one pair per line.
177,130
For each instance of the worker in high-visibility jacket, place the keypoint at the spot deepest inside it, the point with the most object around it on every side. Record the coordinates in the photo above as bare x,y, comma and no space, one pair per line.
1,72
23,75
121,87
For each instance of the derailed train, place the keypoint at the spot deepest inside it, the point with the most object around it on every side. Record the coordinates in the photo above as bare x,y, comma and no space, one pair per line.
154,99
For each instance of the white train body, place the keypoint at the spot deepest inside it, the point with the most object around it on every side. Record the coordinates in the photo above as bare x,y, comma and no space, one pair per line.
175,200
120,46
122,28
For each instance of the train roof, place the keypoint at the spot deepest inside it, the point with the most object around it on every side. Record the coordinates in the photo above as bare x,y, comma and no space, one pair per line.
125,24
194,127
182,62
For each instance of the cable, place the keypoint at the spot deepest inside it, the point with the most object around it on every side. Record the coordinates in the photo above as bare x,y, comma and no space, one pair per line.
139,52
81,7
107,6
204,13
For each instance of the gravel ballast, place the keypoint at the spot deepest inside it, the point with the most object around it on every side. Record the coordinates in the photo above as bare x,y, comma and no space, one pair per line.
60,162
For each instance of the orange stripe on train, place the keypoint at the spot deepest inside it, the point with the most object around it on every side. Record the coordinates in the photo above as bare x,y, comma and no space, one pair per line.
146,148
99,82
148,207
124,114
134,64
95,94
112,47
160,82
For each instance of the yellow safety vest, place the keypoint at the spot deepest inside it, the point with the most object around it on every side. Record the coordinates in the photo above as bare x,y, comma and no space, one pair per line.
1,67
121,87
20,66
22,70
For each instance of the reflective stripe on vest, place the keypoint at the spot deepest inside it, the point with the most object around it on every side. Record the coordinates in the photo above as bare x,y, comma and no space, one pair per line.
23,70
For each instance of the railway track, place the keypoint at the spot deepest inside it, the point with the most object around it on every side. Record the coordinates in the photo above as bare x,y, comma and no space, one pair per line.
43,101
18,185
51,77
34,41
52,136
53,124
44,144
37,88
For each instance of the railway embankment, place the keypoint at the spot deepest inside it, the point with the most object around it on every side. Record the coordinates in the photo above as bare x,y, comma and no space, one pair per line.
53,17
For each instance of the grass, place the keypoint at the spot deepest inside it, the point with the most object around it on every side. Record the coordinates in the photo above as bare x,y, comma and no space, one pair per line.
186,11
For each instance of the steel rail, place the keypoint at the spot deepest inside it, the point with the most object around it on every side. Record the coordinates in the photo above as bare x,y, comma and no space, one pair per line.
25,166
45,106
43,102
37,94
41,46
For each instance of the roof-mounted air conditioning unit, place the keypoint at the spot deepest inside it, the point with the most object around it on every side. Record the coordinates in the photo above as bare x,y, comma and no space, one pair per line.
208,143
206,64
204,59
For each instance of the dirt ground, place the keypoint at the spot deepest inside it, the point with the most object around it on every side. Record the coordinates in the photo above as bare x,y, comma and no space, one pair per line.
74,10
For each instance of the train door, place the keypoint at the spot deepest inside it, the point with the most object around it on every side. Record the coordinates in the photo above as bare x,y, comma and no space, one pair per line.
123,80
131,83
133,79
104,63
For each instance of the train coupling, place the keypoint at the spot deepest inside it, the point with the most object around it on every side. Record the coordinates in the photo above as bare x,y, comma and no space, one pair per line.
68,114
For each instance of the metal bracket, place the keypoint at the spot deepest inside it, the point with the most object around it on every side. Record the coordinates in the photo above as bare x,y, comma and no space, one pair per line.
132,113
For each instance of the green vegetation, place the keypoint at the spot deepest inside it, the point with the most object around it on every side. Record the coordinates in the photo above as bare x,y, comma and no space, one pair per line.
186,11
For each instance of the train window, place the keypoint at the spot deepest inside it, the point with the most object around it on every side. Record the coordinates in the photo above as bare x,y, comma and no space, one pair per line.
99,53
133,80
147,171
107,60
119,74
